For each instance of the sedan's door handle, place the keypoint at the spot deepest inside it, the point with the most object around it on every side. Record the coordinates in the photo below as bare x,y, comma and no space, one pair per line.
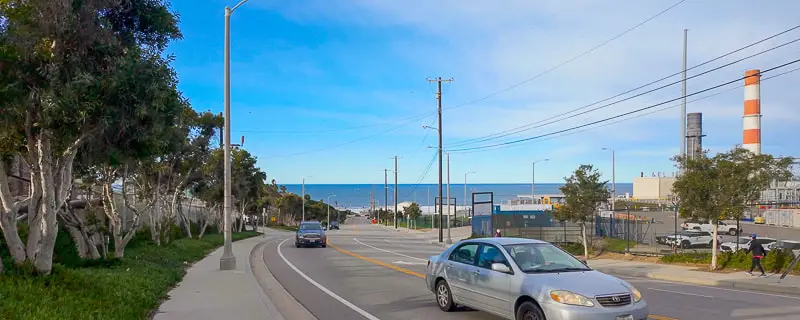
477,271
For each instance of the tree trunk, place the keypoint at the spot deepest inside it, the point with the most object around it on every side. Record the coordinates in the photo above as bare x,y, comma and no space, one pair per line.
714,247
81,236
155,218
585,243
8,218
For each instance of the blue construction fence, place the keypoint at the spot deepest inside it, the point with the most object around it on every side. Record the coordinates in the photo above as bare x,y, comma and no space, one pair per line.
486,224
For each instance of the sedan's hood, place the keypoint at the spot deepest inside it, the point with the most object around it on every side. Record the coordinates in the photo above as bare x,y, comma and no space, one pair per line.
587,283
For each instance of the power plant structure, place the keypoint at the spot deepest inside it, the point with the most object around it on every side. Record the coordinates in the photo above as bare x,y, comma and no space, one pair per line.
694,135
751,121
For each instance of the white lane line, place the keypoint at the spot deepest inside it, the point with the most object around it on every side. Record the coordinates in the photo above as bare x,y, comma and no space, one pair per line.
392,252
682,293
717,288
326,290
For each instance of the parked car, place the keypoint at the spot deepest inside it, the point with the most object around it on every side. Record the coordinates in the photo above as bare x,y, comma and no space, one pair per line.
693,238
792,245
744,244
310,233
722,227
528,279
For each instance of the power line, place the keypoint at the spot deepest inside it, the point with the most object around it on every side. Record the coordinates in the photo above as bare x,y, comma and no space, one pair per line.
423,115
558,66
411,118
424,175
348,142
636,116
522,128
623,114
552,120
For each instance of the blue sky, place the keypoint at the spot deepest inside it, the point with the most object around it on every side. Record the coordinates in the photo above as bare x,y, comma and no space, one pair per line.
334,89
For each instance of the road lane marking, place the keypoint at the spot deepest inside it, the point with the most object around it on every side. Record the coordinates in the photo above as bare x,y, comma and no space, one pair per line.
321,287
676,284
380,263
419,275
392,252
408,263
683,293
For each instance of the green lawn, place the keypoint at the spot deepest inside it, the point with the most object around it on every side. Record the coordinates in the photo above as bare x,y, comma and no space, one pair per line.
121,289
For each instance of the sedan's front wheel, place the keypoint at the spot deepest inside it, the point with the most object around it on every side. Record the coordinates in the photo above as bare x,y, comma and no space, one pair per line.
529,311
443,296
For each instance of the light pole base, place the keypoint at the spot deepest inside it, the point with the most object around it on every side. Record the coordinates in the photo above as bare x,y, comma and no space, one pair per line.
227,262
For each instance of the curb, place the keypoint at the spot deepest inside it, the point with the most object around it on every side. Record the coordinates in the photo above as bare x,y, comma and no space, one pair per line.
768,287
283,302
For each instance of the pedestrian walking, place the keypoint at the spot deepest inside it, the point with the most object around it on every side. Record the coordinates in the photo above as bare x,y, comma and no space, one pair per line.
497,234
758,252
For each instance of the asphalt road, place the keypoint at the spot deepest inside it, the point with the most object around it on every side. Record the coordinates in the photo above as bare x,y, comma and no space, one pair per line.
367,272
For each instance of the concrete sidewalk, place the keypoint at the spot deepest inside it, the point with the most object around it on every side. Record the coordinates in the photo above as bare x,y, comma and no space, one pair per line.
208,293
693,275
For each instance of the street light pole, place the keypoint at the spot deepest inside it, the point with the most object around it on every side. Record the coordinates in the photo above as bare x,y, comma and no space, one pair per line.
613,178
303,196
465,192
533,179
449,240
329,210
228,260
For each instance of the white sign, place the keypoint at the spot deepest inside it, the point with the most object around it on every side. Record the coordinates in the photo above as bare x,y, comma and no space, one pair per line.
483,209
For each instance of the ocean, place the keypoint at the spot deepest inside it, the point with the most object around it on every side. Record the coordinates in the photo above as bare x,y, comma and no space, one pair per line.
357,196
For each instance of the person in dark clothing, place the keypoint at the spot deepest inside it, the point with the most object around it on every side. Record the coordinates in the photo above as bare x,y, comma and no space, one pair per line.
497,234
758,252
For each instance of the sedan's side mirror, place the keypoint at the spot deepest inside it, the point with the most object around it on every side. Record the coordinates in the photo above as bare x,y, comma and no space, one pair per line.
499,267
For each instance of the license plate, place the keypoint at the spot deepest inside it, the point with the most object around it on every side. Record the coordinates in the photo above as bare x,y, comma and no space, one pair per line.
625,317
315,240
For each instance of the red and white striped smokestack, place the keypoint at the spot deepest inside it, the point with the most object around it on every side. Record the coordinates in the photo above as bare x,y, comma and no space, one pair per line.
751,139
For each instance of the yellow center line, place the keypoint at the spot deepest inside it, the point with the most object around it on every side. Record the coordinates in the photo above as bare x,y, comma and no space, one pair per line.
652,316
380,263
419,275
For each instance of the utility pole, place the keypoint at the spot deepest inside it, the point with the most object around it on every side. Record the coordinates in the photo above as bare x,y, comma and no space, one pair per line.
439,81
303,196
683,102
395,192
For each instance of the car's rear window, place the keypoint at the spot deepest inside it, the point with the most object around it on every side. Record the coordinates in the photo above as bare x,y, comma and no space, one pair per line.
310,226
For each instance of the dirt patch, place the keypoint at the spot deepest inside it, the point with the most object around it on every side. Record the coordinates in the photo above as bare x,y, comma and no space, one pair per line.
624,257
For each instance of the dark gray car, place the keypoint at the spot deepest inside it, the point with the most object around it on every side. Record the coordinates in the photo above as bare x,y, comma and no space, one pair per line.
310,233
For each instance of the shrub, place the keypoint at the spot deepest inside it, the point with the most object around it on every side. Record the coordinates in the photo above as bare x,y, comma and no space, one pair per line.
114,289
774,261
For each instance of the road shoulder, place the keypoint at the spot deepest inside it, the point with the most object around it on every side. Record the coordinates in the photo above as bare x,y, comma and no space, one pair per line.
285,303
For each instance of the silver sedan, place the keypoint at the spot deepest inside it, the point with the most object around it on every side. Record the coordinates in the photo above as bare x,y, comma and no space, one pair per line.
527,279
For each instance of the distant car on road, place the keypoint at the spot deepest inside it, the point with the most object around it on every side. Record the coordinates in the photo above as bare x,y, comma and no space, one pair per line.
693,238
310,233
528,279
334,225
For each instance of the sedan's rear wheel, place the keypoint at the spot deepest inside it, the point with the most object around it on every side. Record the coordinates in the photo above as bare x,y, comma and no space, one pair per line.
529,311
443,296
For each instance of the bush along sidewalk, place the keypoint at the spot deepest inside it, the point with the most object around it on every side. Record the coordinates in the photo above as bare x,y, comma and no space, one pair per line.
129,288
774,261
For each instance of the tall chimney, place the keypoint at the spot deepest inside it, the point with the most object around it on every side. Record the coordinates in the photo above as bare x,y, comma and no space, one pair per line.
751,138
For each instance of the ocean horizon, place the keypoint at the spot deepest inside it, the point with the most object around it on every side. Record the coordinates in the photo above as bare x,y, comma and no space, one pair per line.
357,196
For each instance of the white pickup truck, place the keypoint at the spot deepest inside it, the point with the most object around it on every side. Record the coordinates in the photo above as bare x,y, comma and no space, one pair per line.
722,227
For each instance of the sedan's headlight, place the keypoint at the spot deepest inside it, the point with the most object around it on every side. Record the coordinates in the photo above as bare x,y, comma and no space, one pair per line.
570,298
637,296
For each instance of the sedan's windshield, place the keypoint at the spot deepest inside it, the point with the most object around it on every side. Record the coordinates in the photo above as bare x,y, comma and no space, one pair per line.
310,226
543,257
